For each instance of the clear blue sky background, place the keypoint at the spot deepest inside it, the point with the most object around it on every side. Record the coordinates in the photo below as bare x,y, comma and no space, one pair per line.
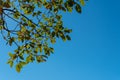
93,53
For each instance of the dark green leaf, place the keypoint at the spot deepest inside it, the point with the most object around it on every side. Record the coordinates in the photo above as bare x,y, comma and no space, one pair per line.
78,8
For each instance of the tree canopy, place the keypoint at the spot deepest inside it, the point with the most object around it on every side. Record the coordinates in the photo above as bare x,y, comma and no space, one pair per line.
36,25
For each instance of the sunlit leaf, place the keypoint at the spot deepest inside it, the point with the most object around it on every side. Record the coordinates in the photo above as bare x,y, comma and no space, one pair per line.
18,67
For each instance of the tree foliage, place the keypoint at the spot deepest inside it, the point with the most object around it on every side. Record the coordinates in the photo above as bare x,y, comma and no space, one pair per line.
36,25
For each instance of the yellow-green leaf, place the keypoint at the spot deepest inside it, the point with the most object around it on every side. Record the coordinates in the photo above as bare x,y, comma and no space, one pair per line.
82,2
18,67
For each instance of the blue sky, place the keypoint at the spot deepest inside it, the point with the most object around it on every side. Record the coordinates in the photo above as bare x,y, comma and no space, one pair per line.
93,53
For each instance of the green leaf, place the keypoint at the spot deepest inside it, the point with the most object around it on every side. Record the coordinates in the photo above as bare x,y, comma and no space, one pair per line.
30,58
40,47
1,27
68,37
63,38
82,2
21,57
18,67
16,15
69,9
36,50
38,58
51,50
10,62
63,8
11,40
53,34
14,56
44,56
53,40
10,54
22,63
78,8
58,17
68,30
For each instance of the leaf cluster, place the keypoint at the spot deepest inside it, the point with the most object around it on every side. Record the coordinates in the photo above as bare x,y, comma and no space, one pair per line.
37,24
